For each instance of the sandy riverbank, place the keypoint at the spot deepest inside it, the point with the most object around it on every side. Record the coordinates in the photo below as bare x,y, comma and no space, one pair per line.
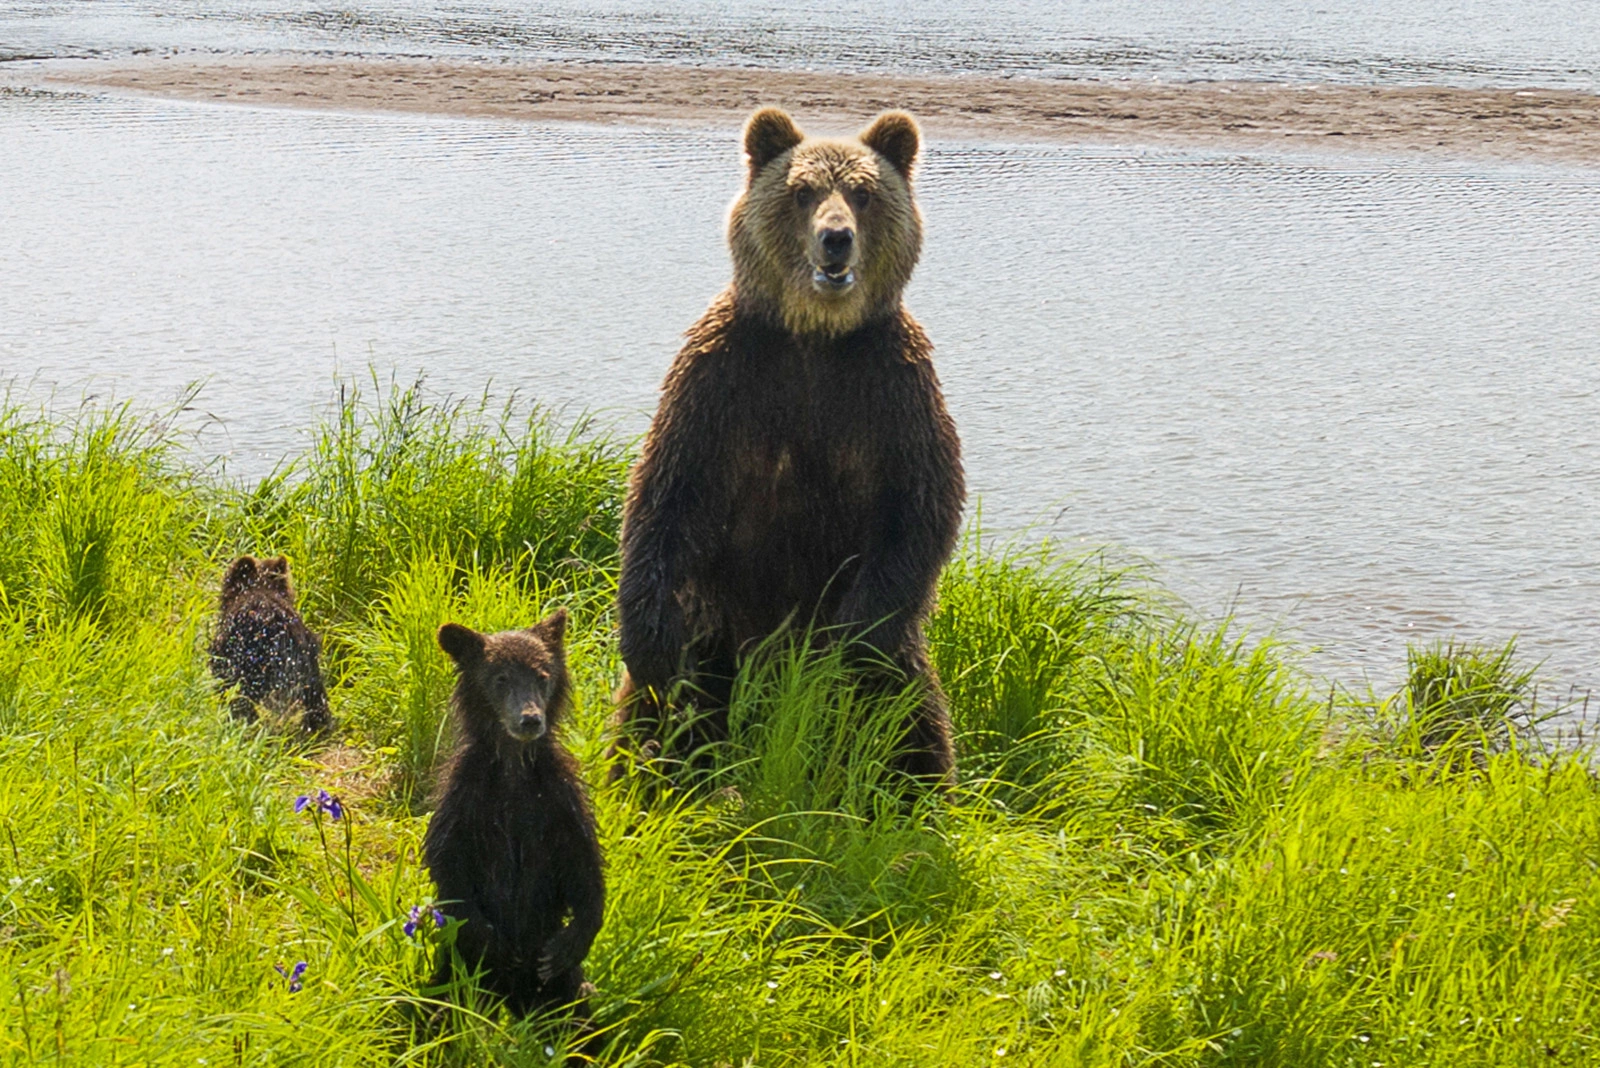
1552,125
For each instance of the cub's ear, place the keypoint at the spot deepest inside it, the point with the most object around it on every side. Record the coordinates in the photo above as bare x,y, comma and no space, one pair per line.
280,564
239,575
553,628
894,136
768,134
464,644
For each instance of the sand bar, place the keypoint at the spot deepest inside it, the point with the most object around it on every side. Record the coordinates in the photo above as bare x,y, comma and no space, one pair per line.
1506,124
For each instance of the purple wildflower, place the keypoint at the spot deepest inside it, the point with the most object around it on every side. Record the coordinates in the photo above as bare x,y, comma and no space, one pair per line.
294,976
414,920
324,801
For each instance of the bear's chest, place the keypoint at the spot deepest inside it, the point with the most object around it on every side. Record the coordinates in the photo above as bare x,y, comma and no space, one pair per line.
802,463
522,852
804,433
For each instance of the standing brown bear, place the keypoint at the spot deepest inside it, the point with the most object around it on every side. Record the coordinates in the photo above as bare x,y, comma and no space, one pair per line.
801,466
512,844
264,648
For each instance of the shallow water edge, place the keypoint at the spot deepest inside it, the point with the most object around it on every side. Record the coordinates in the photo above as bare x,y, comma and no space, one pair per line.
1469,123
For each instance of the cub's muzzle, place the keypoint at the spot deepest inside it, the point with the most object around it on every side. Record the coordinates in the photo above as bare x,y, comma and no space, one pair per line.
527,727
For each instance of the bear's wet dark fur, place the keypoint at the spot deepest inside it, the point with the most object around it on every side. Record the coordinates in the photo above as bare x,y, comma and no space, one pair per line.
512,844
801,466
264,649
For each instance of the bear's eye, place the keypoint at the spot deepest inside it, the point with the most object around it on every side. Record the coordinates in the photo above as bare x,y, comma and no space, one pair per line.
804,196
861,198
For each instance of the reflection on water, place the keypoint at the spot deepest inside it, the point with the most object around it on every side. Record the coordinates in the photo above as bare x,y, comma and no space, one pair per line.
1453,42
1356,398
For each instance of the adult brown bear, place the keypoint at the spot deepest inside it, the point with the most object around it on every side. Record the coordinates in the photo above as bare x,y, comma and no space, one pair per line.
801,466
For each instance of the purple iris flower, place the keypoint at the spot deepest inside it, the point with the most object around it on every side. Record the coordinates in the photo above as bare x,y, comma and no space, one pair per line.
323,800
294,976
414,920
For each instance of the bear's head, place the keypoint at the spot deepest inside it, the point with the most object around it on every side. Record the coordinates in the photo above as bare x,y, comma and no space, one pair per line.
512,684
826,233
251,573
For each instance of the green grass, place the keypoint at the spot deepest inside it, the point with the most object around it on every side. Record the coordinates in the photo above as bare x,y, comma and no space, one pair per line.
1163,851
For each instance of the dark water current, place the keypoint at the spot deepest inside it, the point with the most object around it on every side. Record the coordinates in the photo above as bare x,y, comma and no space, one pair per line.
1356,399
1450,42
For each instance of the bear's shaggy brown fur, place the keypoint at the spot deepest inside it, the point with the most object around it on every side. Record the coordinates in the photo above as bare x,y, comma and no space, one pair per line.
264,648
512,845
801,466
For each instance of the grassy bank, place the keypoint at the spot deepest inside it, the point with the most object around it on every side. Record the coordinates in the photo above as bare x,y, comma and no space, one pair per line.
1165,850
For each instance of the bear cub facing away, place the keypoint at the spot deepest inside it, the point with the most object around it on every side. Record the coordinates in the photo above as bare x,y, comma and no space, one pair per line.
264,648
801,466
512,845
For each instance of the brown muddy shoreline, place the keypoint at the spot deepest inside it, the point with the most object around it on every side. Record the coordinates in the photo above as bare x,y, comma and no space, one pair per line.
1500,124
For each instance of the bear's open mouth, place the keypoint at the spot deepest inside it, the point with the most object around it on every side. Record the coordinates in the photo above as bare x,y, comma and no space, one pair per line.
834,277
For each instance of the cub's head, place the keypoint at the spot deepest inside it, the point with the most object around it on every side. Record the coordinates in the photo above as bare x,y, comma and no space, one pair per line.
826,232
250,573
515,680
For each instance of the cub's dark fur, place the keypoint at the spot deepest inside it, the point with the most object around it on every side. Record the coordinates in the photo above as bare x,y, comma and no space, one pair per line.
512,843
801,465
264,648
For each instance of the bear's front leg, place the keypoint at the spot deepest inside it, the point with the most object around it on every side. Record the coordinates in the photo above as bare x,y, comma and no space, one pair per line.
653,645
912,529
926,750
652,634
884,610
650,621
583,886
663,531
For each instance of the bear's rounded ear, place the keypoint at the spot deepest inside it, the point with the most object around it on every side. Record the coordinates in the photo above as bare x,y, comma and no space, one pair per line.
553,628
894,136
239,575
280,564
768,134
464,644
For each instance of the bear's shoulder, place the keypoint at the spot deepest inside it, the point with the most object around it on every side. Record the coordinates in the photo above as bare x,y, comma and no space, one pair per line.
903,339
714,331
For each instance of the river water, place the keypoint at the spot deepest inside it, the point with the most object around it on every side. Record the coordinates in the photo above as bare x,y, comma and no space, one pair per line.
1441,42
1351,398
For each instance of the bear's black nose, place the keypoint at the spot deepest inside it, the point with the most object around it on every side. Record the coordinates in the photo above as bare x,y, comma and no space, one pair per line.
836,243
532,722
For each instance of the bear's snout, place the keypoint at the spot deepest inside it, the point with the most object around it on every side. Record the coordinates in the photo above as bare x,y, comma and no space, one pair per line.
835,254
528,726
837,243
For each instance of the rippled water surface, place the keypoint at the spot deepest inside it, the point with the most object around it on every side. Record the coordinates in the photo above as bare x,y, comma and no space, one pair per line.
1458,42
1355,399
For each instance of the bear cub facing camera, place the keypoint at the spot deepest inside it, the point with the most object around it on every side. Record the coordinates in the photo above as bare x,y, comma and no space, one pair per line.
264,648
512,845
